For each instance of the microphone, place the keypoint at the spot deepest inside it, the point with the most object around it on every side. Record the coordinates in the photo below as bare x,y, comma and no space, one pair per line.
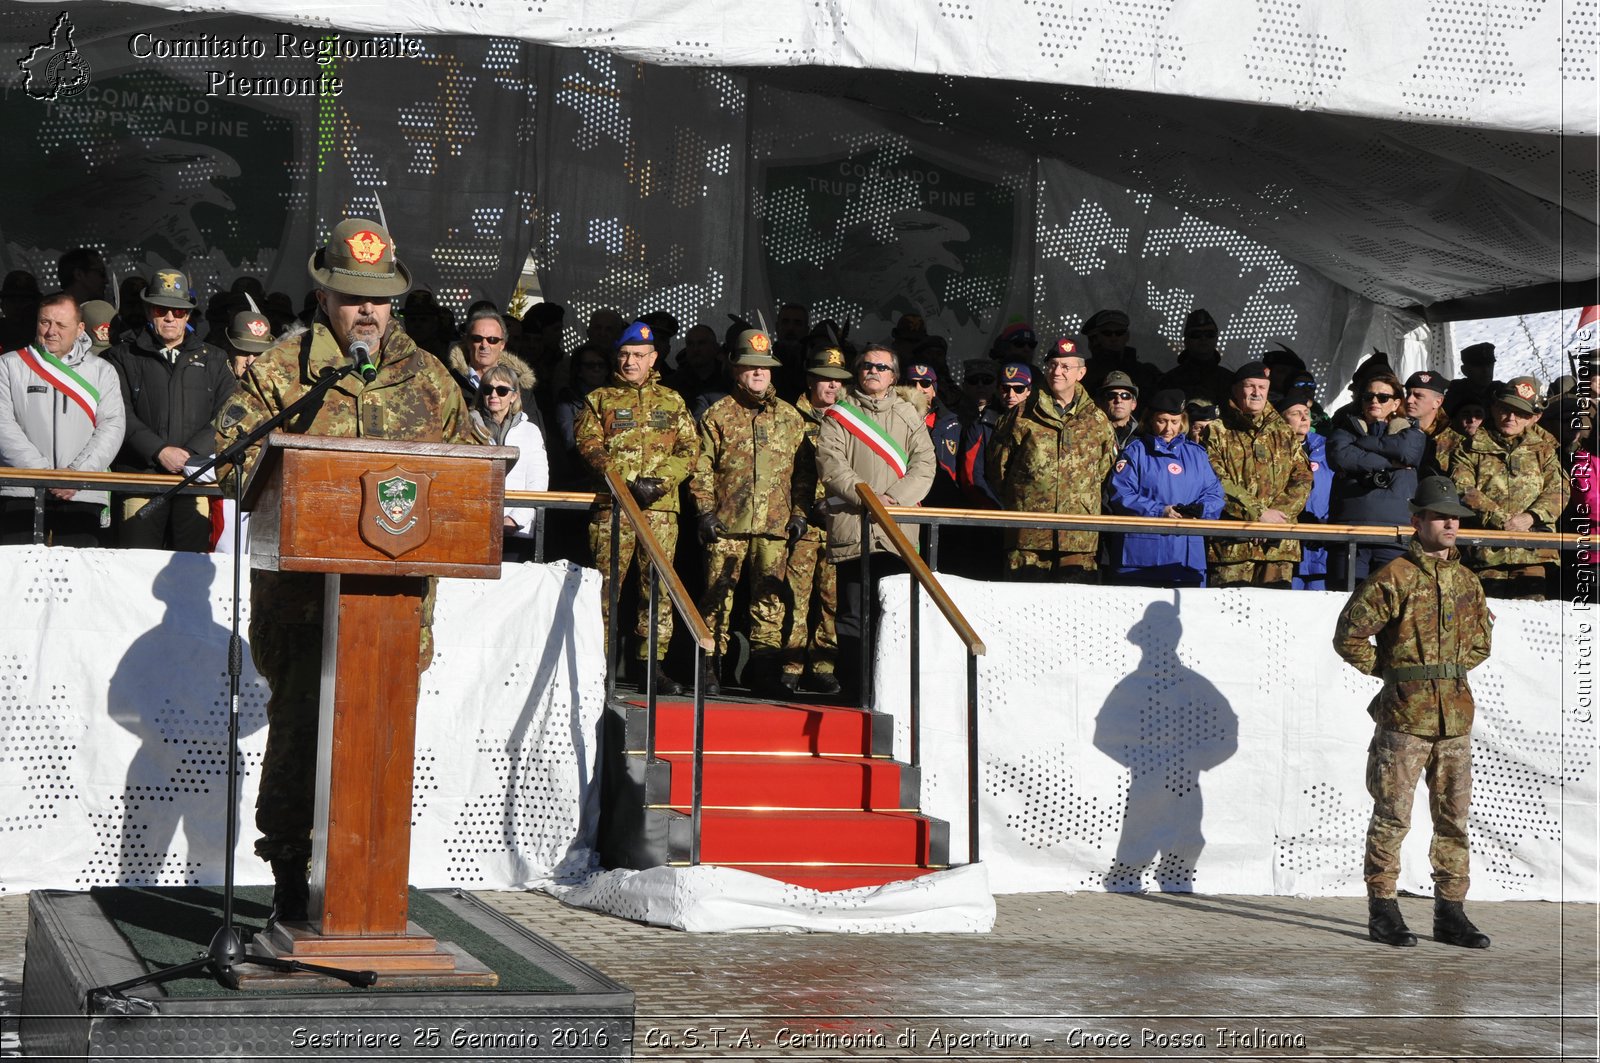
361,355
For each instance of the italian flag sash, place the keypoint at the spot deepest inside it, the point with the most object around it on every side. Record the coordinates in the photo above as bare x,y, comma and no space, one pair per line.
858,423
59,375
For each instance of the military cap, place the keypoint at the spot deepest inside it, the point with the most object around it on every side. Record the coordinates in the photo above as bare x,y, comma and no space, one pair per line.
1103,319
419,301
1375,363
933,343
638,333
1439,494
359,259
170,288
752,349
97,315
1520,393
1016,373
1250,371
1201,410
910,325
1478,354
1168,401
665,325
1429,380
544,314
921,373
1018,334
1293,397
251,332
1282,356
1198,319
1119,379
828,363
1064,348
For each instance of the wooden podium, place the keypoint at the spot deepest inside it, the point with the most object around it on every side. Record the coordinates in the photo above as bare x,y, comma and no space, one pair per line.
378,518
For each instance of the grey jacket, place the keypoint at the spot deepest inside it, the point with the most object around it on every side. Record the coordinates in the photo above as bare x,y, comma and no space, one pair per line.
42,429
843,460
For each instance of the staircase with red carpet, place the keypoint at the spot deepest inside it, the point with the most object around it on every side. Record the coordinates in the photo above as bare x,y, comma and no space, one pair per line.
805,794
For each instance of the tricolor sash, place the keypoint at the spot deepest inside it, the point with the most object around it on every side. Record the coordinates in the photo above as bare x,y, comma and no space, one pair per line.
59,375
860,424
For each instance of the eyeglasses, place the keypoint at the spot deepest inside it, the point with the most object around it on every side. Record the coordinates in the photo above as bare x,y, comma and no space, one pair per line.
168,311
1378,396
876,367
1118,396
499,389
926,383
1016,387
982,380
493,341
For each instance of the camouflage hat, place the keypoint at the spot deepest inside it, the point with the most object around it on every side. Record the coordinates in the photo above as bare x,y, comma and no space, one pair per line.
169,287
752,349
359,259
250,332
1439,494
828,363
97,315
1521,393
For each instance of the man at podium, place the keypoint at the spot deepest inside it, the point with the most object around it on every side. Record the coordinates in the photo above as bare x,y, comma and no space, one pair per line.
404,394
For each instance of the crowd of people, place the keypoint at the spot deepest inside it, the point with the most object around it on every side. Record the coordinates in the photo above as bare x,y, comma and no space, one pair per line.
750,444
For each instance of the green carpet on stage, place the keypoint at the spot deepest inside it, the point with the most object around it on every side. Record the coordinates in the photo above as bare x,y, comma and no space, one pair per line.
166,926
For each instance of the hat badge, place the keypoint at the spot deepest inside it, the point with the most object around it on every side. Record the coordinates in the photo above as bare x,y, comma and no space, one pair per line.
835,357
1011,372
1066,346
1525,389
258,327
760,344
366,247
644,333
102,332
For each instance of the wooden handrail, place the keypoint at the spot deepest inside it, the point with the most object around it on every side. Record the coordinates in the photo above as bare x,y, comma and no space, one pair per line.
47,477
556,498
620,495
919,568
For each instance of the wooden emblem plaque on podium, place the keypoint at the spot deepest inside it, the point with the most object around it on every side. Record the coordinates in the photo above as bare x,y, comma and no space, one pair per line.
377,517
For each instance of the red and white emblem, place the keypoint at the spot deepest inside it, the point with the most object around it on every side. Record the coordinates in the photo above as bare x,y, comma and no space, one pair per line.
1122,464
1174,468
366,246
1525,390
102,332
258,327
1316,465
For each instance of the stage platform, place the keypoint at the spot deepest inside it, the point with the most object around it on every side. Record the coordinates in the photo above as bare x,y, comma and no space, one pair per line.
547,1005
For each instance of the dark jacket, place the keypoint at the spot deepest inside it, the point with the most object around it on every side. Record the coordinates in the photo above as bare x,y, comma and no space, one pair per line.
168,404
1375,473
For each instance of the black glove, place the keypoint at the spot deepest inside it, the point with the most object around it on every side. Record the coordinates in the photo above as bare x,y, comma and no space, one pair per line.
710,527
797,528
647,490
1192,510
819,512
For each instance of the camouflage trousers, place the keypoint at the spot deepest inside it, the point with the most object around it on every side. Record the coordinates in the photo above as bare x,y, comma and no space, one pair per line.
1048,566
1251,574
664,526
1395,761
725,560
286,611
812,580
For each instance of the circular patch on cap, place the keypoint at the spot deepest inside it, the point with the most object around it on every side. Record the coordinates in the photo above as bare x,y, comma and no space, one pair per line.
258,327
366,247
1525,389
760,344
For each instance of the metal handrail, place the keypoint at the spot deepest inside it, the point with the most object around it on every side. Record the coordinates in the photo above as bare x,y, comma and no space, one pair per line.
624,506
922,578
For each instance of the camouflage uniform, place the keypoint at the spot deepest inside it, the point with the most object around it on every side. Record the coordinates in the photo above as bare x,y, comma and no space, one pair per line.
413,398
1432,627
750,476
1442,444
1045,459
1501,478
1262,466
642,431
810,574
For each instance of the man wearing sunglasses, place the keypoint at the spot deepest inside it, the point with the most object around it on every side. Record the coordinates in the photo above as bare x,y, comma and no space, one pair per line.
173,387
482,346
1106,334
1199,373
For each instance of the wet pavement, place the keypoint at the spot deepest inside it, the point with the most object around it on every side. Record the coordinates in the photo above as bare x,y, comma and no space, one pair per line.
1081,976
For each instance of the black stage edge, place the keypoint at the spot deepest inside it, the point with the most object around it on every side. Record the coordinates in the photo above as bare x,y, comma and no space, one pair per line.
72,948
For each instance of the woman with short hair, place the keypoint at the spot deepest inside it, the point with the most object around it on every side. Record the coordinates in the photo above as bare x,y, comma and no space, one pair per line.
497,419
1163,473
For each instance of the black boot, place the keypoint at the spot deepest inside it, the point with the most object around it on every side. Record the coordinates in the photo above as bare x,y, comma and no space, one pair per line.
1452,927
291,892
823,683
709,685
1385,924
666,686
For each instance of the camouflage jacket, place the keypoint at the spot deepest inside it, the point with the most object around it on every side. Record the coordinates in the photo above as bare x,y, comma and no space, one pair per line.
642,431
1442,444
755,469
1423,611
811,418
1262,466
413,397
1502,477
1045,459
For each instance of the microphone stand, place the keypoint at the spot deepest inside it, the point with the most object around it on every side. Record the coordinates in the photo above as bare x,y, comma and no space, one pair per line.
227,949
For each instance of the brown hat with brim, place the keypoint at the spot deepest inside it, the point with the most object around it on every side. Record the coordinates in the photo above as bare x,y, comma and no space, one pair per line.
360,260
97,316
1520,393
250,332
1439,494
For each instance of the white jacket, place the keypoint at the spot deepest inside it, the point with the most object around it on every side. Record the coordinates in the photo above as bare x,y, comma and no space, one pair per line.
530,472
42,429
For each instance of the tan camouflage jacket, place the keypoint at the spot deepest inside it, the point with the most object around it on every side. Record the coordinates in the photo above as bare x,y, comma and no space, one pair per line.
1425,613
1502,477
1044,459
756,469
413,398
1262,466
812,420
641,432
1442,443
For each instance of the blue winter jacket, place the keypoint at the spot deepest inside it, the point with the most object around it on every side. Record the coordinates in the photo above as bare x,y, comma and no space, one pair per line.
1314,556
1152,474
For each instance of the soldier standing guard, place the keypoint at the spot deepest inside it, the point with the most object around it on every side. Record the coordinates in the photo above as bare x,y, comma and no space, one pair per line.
413,398
641,428
1427,612
752,491
811,577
